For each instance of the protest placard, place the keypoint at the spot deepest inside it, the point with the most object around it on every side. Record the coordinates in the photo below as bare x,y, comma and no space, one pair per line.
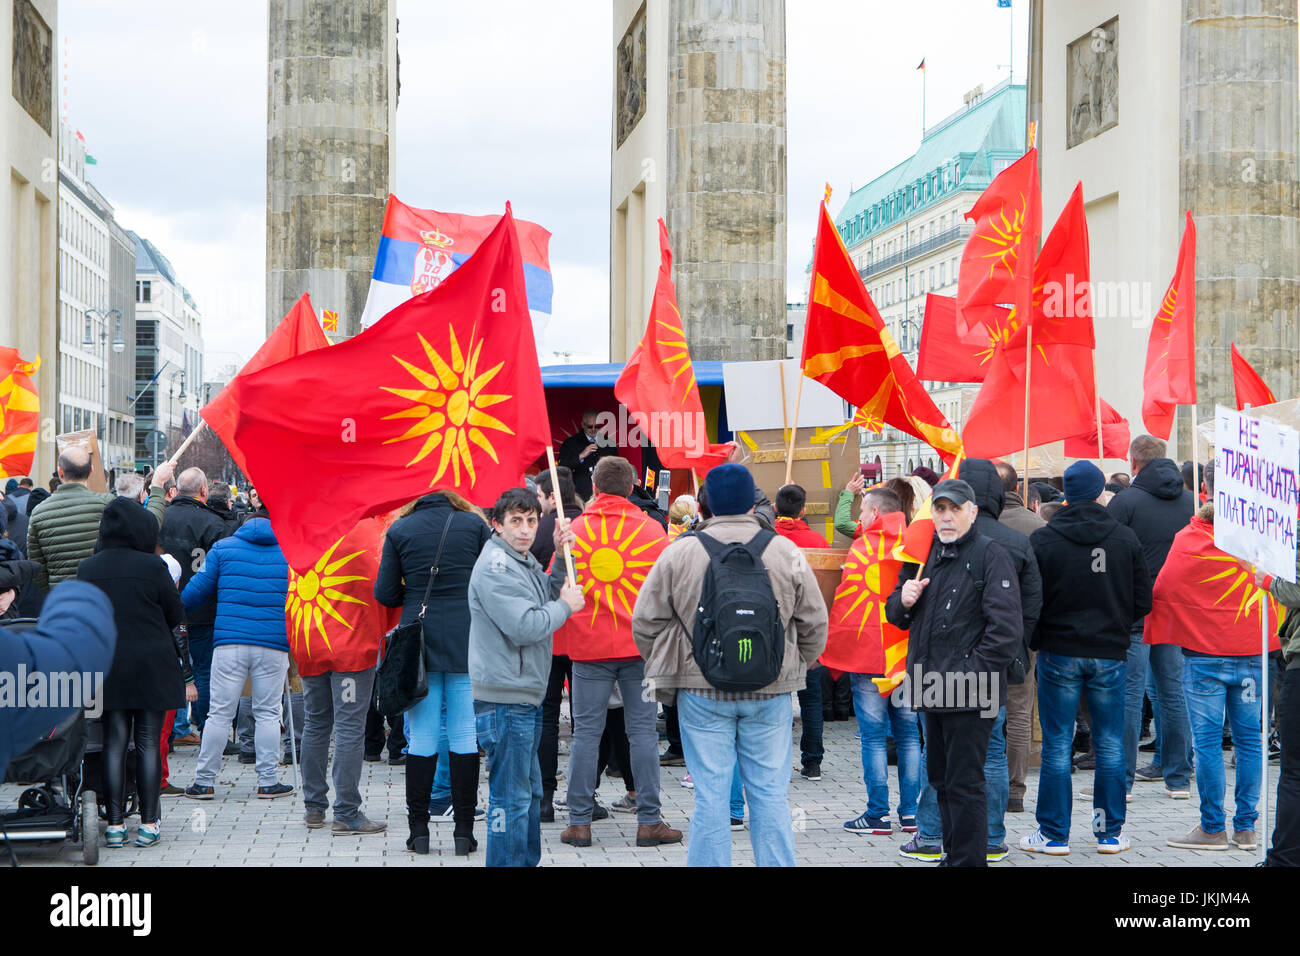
1256,498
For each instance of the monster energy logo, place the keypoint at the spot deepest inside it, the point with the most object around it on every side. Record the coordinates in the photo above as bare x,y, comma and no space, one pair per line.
746,649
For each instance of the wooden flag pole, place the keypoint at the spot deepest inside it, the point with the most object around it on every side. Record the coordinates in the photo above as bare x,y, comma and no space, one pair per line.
1196,483
1096,388
560,520
695,480
1263,788
785,414
794,431
194,433
1029,368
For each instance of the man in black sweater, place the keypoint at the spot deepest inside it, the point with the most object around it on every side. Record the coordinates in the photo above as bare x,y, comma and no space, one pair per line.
1095,585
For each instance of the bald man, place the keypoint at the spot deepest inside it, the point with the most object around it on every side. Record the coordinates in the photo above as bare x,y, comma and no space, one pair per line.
64,528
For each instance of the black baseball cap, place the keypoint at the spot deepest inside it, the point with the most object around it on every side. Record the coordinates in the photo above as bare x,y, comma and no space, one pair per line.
955,490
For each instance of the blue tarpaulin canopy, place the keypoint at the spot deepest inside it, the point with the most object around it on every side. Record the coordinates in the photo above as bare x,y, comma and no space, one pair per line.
607,373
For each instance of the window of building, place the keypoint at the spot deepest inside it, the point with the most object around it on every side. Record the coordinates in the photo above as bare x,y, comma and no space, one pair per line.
931,277
943,274
789,332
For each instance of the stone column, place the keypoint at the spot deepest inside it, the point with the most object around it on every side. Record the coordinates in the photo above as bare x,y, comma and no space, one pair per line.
330,101
726,202
1237,175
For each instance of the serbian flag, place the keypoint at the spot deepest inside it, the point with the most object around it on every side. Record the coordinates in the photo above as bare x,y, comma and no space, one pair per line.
20,413
444,393
1114,437
658,383
859,639
847,348
1002,245
332,618
1170,375
298,332
419,248
1206,600
1250,388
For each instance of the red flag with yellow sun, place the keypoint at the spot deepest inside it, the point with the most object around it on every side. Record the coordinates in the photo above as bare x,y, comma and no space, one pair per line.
333,621
859,639
616,545
444,391
20,413
1206,600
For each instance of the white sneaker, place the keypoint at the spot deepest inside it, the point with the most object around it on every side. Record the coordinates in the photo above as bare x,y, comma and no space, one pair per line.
1036,842
1115,844
688,783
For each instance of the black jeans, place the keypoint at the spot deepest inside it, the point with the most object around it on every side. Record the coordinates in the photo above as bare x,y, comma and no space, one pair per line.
956,746
375,733
548,751
148,762
1286,833
810,713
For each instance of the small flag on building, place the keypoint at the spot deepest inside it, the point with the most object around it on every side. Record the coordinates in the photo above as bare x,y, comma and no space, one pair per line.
921,66
330,320
1004,4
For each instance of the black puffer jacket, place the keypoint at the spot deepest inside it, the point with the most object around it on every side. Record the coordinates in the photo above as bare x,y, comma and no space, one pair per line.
981,475
1095,583
954,627
1156,506
409,551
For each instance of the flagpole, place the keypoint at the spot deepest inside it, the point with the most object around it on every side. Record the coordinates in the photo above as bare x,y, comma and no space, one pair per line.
785,414
559,510
186,444
1196,484
794,432
1029,368
1096,387
1263,731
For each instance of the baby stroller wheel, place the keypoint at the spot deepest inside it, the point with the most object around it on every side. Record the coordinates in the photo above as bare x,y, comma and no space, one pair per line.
89,828
34,798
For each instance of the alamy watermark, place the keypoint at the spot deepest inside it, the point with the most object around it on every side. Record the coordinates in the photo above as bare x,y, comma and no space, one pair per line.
59,690
950,690
663,429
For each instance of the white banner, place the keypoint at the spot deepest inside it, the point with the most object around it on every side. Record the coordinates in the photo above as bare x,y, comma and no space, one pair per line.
1256,497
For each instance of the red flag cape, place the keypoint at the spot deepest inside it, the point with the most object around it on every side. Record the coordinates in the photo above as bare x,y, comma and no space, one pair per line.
848,349
658,383
298,332
1247,384
1114,437
1206,600
1169,378
858,632
443,392
332,618
20,413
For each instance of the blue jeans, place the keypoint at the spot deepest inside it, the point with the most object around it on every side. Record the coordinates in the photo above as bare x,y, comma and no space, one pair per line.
716,734
811,749
1164,663
1061,680
1213,685
877,716
510,734
424,721
441,793
997,788
737,794
201,658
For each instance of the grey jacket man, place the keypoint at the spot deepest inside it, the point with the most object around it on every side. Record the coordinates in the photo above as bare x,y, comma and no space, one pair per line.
514,609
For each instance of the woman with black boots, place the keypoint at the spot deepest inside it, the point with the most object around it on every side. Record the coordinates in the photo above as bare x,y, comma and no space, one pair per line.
146,679
432,549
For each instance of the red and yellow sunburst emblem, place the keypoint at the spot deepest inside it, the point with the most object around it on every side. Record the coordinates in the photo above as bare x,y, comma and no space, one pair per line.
1005,238
312,595
860,586
449,405
1239,578
611,564
1166,317
676,338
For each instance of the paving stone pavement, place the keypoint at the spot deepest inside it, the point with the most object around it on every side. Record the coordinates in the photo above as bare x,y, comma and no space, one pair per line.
237,829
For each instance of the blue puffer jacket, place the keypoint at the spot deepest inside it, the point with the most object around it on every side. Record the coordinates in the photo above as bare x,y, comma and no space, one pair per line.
250,578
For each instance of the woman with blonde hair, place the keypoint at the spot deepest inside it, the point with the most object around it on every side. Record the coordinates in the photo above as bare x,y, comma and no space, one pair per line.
683,515
427,559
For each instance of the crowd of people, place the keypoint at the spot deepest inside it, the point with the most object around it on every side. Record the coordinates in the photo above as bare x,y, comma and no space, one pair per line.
1034,599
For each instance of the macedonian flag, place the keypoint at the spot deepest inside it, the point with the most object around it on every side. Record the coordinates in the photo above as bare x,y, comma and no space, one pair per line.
848,349
617,543
20,413
859,639
332,618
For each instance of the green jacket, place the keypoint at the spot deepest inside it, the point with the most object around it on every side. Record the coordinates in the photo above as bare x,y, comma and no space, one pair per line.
1289,595
846,523
65,526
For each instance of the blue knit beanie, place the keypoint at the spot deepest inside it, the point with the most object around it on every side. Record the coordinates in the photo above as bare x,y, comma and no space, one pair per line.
729,489
1083,482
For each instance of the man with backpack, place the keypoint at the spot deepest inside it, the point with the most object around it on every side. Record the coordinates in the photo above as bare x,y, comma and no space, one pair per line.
728,621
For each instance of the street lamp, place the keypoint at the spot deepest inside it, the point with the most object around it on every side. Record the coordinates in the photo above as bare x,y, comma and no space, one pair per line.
172,394
119,345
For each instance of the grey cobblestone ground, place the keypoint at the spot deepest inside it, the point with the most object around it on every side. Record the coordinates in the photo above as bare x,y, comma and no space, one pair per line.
236,829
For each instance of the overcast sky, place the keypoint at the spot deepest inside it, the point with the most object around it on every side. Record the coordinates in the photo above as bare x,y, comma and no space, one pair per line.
500,100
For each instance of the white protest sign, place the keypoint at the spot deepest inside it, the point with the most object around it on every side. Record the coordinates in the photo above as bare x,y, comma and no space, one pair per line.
753,392
1256,496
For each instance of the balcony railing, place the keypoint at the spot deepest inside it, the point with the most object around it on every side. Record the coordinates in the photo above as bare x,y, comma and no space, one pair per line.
957,233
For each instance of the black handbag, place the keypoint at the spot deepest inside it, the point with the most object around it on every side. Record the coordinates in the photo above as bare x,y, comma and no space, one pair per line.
401,680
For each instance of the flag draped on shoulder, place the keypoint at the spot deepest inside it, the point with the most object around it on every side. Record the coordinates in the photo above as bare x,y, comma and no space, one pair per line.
657,385
20,413
1169,378
848,349
444,393
298,332
1247,384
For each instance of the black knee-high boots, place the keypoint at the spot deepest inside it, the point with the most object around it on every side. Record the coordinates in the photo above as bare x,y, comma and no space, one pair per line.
464,798
419,787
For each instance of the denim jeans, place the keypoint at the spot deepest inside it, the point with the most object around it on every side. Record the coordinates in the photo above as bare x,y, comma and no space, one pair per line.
244,723
1213,685
441,793
201,658
811,706
509,734
877,716
232,664
1061,681
996,790
424,721
716,734
1164,662
737,794
336,703
1285,848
